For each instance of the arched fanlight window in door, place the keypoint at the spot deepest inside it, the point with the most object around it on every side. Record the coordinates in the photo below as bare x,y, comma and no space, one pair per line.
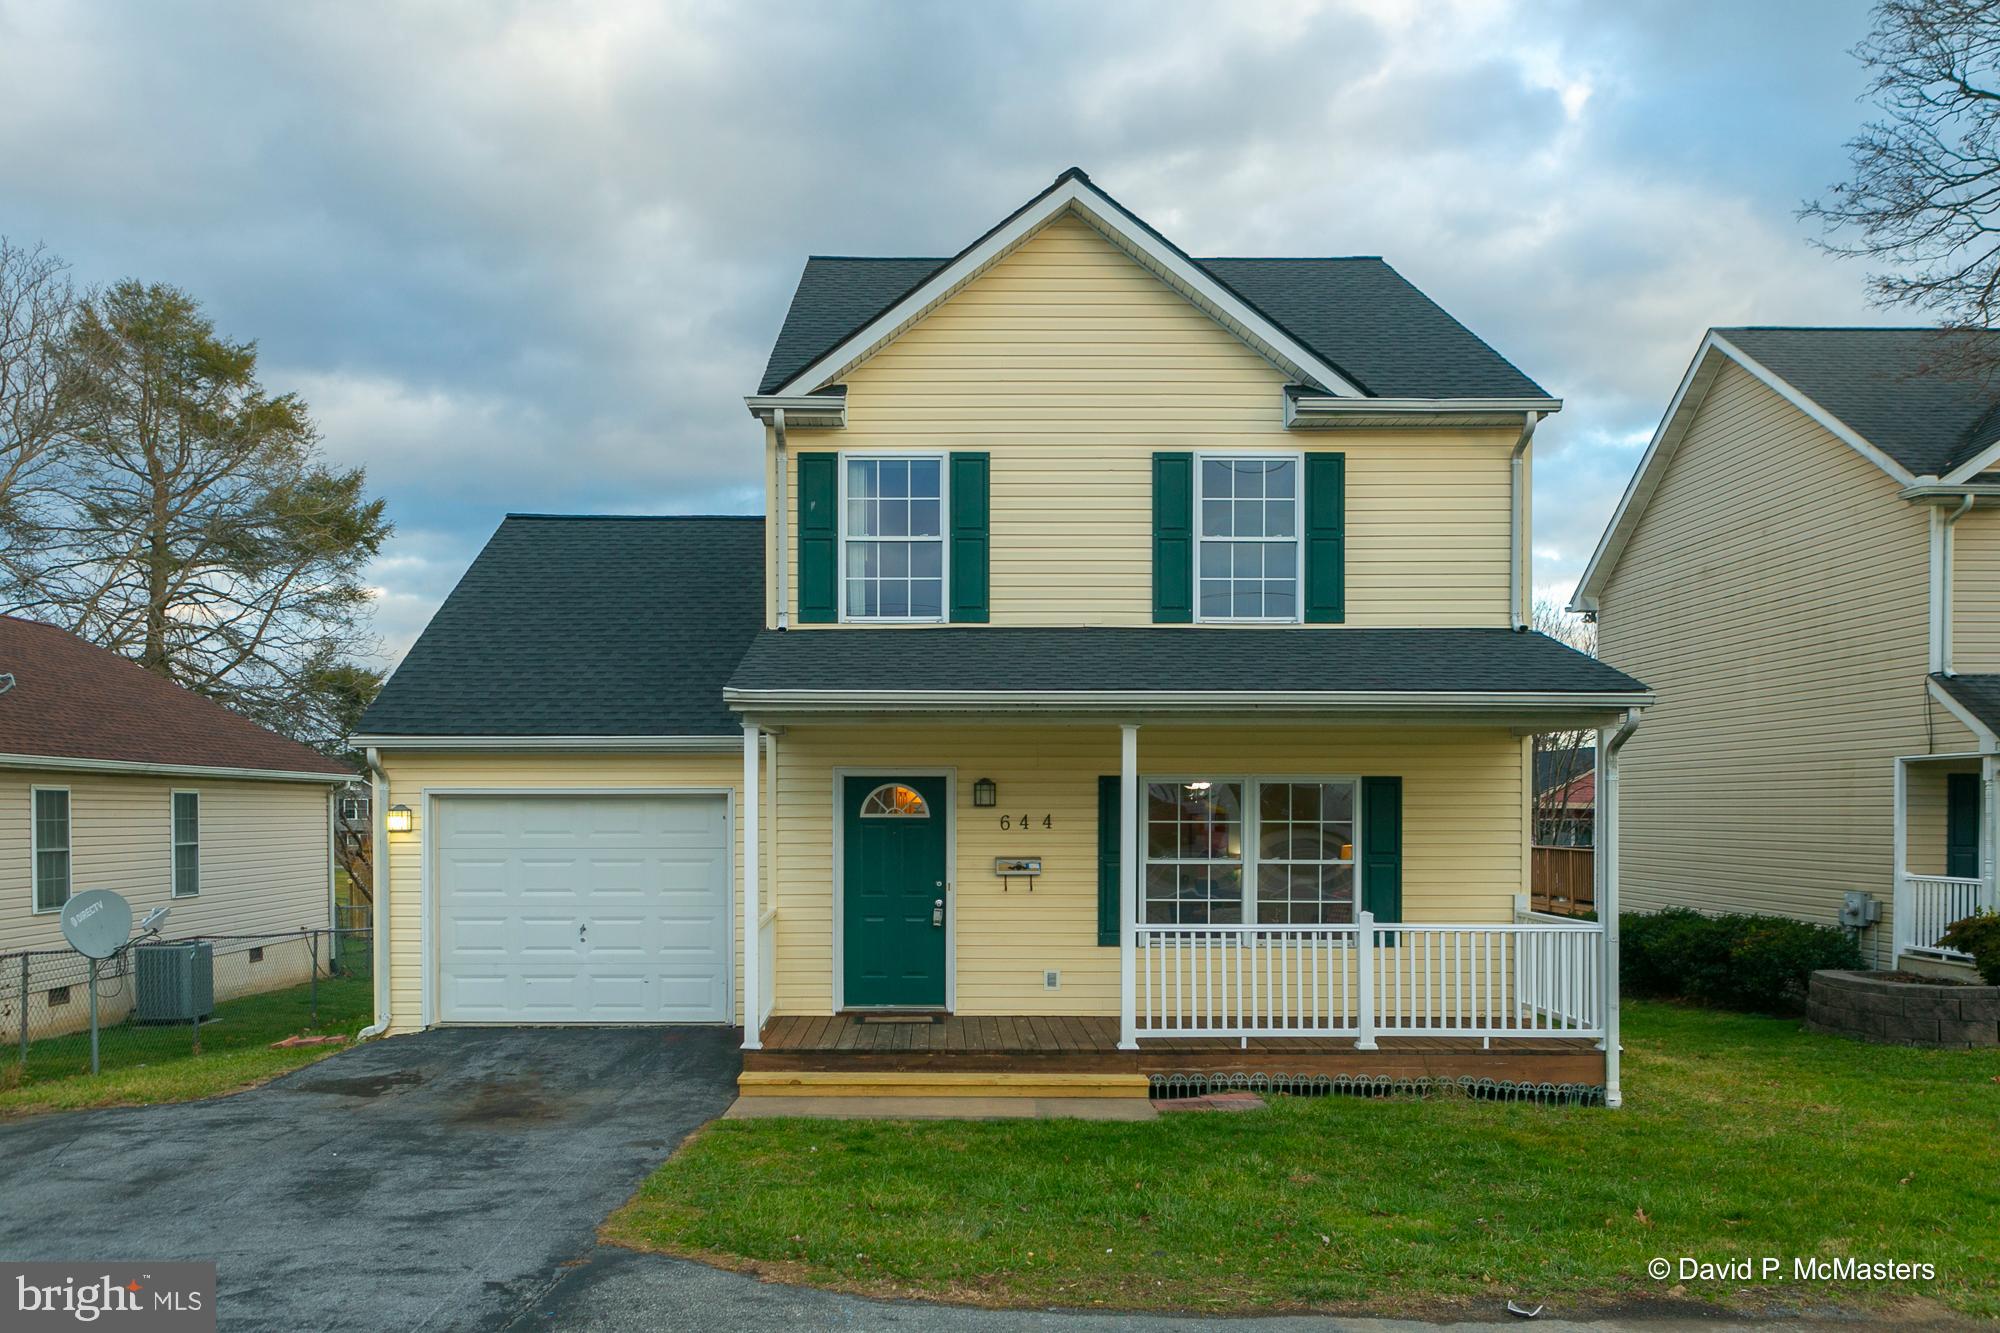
892,800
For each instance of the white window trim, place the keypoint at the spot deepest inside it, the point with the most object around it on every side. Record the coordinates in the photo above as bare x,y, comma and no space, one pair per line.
943,458
174,844
35,849
1251,860
1298,537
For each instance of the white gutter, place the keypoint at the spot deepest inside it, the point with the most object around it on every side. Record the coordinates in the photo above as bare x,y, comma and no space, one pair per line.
1304,406
1607,896
72,764
1989,742
807,409
1517,521
378,891
782,552
643,744
1127,700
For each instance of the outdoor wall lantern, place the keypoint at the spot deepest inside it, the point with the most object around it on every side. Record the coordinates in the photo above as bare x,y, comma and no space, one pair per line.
984,793
400,819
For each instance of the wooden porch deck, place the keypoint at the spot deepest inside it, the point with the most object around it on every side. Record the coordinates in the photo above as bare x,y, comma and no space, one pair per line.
1071,1043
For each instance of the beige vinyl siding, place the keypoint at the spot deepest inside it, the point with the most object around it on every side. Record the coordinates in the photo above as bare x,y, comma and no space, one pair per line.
1464,806
1975,592
412,773
1071,365
264,853
1775,597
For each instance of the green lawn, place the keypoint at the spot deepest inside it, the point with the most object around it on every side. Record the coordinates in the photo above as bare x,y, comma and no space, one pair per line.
1740,1136
143,1065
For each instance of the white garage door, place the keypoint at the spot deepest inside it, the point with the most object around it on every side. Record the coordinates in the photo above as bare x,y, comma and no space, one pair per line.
586,909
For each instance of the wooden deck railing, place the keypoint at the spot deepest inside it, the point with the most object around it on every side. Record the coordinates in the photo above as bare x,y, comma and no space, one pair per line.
1563,880
1368,980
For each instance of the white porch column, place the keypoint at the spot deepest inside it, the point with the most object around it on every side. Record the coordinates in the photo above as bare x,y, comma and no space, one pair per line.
1608,743
1899,900
1988,764
1128,885
753,1032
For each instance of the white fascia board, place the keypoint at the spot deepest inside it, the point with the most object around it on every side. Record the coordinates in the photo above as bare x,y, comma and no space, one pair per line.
801,409
1943,491
1673,427
70,764
1983,461
1988,742
1080,196
1113,701
1305,405
654,744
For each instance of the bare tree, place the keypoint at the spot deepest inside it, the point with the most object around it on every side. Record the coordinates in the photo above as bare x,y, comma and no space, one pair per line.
1559,755
1924,196
37,309
198,530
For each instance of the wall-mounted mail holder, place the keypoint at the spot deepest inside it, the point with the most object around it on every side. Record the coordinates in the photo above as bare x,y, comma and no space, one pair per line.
1010,868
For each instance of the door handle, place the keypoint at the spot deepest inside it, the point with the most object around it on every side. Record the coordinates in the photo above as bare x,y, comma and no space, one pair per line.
937,913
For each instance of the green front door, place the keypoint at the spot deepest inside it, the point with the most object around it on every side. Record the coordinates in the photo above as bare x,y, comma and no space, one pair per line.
893,890
1961,825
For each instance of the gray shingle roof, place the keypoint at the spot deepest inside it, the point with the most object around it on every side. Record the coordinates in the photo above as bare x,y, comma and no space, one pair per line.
1979,694
1007,658
1356,313
1893,387
572,626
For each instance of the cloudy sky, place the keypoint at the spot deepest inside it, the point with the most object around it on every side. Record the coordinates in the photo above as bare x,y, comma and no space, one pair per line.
530,256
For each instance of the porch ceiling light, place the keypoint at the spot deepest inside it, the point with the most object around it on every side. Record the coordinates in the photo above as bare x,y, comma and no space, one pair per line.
400,819
984,793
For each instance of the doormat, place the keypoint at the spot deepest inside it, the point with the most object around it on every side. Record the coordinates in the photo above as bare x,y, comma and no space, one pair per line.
926,1019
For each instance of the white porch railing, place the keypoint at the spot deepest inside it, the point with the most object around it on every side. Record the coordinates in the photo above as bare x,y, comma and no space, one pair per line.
1929,903
1371,980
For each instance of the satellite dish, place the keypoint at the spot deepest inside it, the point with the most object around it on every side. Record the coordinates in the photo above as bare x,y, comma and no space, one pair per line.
97,922
152,919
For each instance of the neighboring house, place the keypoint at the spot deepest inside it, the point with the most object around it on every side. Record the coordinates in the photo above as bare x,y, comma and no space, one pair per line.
1807,568
1566,812
112,777
1134,656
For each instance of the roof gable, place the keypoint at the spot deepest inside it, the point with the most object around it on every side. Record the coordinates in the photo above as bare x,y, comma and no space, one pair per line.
1352,326
74,702
1835,364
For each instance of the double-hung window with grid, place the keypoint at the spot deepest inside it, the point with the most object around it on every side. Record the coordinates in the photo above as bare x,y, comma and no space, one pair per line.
893,534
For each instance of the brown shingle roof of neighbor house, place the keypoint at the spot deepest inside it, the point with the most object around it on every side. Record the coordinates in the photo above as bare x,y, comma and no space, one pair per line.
74,702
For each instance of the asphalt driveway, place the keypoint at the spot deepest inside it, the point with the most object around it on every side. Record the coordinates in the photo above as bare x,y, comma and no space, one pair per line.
437,1181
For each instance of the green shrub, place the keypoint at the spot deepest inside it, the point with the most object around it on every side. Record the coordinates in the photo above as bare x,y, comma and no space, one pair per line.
1978,935
1762,964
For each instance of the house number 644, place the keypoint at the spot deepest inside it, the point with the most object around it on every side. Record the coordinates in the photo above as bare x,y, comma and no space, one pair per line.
1026,821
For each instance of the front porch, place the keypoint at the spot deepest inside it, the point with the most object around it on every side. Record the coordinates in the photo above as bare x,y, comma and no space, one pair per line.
1944,853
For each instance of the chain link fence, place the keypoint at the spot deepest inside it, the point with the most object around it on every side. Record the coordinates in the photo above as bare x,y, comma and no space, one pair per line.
161,1000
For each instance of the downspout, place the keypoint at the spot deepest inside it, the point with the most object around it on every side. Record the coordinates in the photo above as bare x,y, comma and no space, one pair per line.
1607,895
1517,521
378,872
782,552
1941,632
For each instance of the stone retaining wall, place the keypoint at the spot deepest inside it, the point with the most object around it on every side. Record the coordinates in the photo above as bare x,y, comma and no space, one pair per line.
1865,1006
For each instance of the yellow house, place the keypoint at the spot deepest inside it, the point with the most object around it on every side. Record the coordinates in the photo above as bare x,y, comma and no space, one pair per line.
1806,565
1130,681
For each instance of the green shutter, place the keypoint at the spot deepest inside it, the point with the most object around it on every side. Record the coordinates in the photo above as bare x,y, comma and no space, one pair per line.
1961,825
1326,538
1173,539
970,543
819,538
1382,847
1108,833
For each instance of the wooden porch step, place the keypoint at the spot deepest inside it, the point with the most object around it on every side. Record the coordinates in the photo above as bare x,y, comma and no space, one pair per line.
936,1083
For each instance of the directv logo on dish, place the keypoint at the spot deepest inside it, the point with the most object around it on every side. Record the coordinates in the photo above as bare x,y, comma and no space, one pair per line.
169,1298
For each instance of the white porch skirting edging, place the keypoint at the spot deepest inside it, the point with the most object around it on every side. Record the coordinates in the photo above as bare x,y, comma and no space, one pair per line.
1371,980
